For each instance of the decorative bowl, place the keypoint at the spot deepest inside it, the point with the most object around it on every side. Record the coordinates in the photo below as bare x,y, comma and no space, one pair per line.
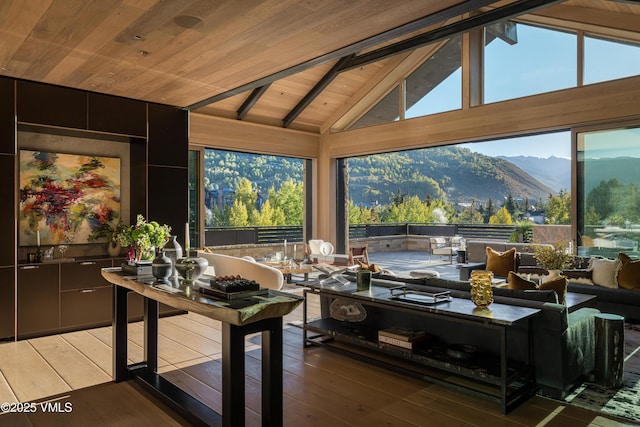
191,268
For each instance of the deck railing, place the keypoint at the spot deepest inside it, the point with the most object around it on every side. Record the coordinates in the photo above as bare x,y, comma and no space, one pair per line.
220,236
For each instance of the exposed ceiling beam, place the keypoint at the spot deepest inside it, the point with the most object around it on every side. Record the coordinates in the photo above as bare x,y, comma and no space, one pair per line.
495,15
316,90
477,21
421,23
251,100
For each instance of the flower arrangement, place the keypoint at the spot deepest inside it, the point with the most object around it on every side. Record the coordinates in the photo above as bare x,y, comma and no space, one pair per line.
555,257
142,238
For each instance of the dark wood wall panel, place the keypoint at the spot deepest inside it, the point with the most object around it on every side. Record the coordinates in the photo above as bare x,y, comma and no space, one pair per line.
51,105
138,183
168,136
7,114
168,197
117,115
7,210
7,298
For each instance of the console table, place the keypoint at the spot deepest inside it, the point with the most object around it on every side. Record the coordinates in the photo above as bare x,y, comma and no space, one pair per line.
239,318
492,375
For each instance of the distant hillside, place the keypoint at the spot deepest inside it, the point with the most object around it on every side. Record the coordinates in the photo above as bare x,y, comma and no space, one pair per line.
624,169
457,172
554,172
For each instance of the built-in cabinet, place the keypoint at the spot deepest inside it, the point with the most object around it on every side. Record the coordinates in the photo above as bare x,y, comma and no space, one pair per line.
64,296
38,299
54,297
85,297
7,302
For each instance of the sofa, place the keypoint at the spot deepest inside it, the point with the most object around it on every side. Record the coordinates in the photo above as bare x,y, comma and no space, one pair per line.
563,341
585,276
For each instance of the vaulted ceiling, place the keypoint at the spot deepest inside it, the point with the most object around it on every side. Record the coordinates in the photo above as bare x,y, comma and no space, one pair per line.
298,63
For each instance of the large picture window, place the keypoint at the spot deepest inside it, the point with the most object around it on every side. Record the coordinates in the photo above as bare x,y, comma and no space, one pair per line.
535,60
244,189
609,191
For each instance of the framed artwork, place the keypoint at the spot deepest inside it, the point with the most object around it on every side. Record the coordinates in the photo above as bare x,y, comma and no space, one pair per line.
65,197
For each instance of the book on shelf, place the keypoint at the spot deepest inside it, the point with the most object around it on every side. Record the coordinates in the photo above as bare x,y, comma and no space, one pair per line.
394,342
402,334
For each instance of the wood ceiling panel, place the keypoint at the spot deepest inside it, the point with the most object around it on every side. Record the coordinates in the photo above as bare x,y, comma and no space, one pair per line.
182,52
93,44
338,94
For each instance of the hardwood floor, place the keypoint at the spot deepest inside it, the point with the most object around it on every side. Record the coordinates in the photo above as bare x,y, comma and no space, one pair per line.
321,388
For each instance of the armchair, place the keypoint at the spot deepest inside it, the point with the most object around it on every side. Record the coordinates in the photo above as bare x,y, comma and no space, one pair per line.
442,246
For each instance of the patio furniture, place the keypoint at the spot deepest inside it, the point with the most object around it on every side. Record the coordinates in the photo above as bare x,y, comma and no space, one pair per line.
442,246
358,253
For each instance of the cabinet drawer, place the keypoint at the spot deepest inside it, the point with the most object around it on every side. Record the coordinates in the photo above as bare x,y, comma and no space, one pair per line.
83,274
85,307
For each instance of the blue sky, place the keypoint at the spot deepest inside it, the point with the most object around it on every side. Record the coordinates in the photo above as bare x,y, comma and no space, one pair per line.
556,144
540,61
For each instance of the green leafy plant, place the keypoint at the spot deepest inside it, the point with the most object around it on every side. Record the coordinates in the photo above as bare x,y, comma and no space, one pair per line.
142,237
523,232
555,257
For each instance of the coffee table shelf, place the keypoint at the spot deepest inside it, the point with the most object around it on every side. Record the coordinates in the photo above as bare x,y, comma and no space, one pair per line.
489,374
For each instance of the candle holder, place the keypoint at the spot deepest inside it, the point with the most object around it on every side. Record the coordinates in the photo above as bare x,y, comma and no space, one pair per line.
38,257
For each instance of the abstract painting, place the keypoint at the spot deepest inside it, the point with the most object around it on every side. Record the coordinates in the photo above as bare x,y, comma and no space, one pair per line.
64,198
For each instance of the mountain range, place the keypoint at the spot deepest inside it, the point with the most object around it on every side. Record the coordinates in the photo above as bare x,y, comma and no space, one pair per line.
456,174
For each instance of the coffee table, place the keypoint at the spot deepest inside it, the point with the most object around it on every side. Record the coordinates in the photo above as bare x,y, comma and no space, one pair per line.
288,269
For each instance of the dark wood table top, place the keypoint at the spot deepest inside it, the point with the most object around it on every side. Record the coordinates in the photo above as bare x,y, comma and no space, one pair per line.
187,297
456,307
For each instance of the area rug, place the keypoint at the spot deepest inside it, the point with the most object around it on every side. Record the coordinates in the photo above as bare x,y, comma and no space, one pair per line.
623,402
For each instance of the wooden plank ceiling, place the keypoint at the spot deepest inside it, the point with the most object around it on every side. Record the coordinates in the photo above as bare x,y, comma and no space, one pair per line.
184,52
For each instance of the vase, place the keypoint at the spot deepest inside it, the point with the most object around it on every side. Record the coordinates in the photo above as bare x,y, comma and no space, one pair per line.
113,248
173,250
191,268
161,267
481,290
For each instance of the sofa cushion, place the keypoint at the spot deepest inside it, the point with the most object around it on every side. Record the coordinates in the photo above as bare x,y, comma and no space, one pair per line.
604,272
501,263
449,284
629,273
516,282
559,285
525,294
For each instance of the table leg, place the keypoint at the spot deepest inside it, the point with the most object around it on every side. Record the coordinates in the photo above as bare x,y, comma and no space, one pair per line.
233,396
151,333
272,373
119,334
233,368
503,370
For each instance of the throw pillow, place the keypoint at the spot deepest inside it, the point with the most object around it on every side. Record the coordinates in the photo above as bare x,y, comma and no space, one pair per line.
516,282
604,272
629,273
501,263
559,285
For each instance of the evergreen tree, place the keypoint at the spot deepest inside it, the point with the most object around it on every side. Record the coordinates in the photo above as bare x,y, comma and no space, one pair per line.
510,205
489,211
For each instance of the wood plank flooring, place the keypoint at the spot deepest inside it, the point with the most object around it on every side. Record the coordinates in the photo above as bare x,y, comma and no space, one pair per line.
321,388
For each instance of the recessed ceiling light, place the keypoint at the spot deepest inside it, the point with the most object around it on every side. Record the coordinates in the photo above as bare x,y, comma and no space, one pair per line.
188,21
137,37
143,52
